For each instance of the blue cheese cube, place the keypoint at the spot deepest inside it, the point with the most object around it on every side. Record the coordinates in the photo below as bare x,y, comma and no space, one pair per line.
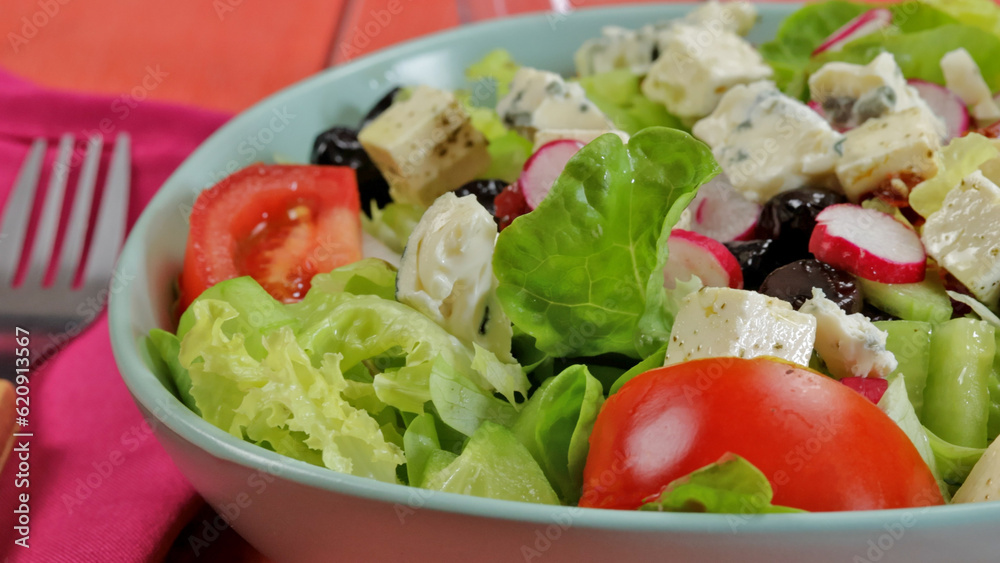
618,48
851,94
894,153
962,76
543,100
722,322
850,345
964,237
768,143
697,66
425,146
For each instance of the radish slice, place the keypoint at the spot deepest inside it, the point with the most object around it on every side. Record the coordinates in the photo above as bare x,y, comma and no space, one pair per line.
722,213
871,387
544,167
945,104
865,24
868,243
698,255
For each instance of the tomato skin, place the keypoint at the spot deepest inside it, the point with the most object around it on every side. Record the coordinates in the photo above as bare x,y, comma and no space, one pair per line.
280,224
822,446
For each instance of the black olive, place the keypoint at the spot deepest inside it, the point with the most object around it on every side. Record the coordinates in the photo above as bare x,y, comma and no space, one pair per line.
379,107
339,146
757,258
485,191
794,283
790,218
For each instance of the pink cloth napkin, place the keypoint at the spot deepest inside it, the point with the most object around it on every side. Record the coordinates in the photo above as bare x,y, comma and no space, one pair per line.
101,487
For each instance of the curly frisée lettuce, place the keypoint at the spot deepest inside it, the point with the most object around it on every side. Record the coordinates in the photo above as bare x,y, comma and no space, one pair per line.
583,273
283,400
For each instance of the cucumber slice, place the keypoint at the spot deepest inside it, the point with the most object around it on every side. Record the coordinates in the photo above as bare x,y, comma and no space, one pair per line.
925,301
957,397
993,426
910,342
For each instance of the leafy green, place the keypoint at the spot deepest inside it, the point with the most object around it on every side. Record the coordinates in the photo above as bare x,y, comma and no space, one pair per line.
731,485
281,400
168,347
919,36
419,442
617,94
790,52
961,157
954,462
919,53
583,273
392,224
258,313
895,403
497,68
492,465
652,361
462,404
555,426
369,276
983,14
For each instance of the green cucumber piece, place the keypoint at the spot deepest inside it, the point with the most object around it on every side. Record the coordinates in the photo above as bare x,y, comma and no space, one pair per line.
925,301
910,342
993,426
957,397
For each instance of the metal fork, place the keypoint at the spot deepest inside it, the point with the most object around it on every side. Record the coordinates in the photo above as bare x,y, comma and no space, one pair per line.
54,314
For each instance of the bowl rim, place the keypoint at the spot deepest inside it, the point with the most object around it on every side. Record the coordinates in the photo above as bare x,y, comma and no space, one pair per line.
168,411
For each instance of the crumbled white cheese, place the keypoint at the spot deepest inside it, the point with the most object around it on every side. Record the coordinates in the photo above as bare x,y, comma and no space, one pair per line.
850,345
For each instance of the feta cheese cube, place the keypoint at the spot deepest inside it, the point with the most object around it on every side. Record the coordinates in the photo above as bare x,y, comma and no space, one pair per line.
737,17
851,94
962,76
719,321
543,100
767,142
583,135
425,146
896,151
850,345
964,237
697,65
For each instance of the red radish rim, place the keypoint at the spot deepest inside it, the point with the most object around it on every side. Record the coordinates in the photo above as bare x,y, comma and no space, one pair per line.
958,121
525,181
839,240
724,259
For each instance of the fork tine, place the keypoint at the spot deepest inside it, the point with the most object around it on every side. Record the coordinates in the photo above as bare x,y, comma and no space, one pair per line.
14,225
48,223
76,232
109,230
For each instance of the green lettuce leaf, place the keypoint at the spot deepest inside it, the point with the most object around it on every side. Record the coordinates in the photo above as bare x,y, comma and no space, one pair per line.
583,273
983,14
617,94
419,442
919,53
954,462
555,427
282,400
258,313
392,224
961,157
462,404
790,52
492,465
652,361
168,349
369,276
731,485
895,403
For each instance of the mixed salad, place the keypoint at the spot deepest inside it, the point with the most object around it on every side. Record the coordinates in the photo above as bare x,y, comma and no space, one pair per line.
699,275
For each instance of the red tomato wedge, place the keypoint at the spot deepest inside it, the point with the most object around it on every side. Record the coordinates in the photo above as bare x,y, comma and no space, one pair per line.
822,446
280,224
